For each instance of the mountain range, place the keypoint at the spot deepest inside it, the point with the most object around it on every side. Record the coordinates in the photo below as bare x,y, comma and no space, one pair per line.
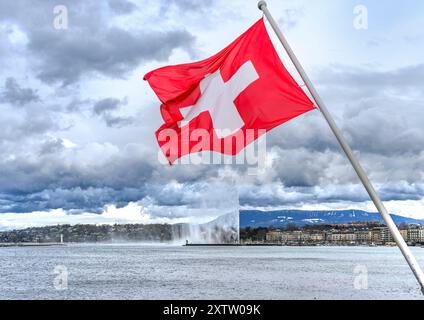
282,218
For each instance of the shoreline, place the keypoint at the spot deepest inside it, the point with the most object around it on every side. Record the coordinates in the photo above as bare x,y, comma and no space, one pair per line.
58,244
12,245
287,245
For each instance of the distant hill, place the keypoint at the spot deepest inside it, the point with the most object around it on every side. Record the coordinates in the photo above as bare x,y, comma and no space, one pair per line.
222,230
279,219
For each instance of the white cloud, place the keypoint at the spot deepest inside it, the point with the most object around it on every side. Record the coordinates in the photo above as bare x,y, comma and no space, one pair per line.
68,144
133,213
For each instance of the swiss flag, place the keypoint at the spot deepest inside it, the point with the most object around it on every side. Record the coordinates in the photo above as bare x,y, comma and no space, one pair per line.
228,101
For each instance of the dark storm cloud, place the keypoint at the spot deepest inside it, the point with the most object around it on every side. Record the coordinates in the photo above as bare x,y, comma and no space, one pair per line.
275,195
56,168
187,5
382,109
75,105
36,123
403,191
306,168
106,108
14,94
106,105
122,6
30,125
75,200
91,44
113,53
378,112
308,131
94,199
367,80
118,122
52,146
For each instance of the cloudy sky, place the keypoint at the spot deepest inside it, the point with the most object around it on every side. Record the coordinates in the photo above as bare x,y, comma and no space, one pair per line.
77,122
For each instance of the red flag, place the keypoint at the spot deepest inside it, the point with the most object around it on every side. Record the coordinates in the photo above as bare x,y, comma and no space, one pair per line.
226,102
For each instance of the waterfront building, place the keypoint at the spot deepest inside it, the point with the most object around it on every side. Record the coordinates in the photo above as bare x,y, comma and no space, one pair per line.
387,235
335,237
348,237
341,237
274,236
317,237
363,236
404,233
295,236
416,235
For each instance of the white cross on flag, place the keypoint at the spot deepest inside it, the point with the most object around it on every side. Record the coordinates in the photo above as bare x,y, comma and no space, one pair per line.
243,88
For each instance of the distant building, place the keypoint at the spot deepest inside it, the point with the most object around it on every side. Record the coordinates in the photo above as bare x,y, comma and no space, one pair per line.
381,235
363,236
341,237
334,237
349,237
386,235
305,237
317,237
285,237
376,236
347,234
416,235
404,234
274,236
295,236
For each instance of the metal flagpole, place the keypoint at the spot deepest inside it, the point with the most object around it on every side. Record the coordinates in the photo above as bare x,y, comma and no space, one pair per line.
415,267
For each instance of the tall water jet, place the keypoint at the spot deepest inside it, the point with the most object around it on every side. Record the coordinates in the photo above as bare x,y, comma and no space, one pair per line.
222,230
220,212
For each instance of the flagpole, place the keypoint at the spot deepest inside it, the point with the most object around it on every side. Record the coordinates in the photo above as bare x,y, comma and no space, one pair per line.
413,264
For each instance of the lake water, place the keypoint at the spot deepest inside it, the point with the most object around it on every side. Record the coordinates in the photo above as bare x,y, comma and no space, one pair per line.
171,272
